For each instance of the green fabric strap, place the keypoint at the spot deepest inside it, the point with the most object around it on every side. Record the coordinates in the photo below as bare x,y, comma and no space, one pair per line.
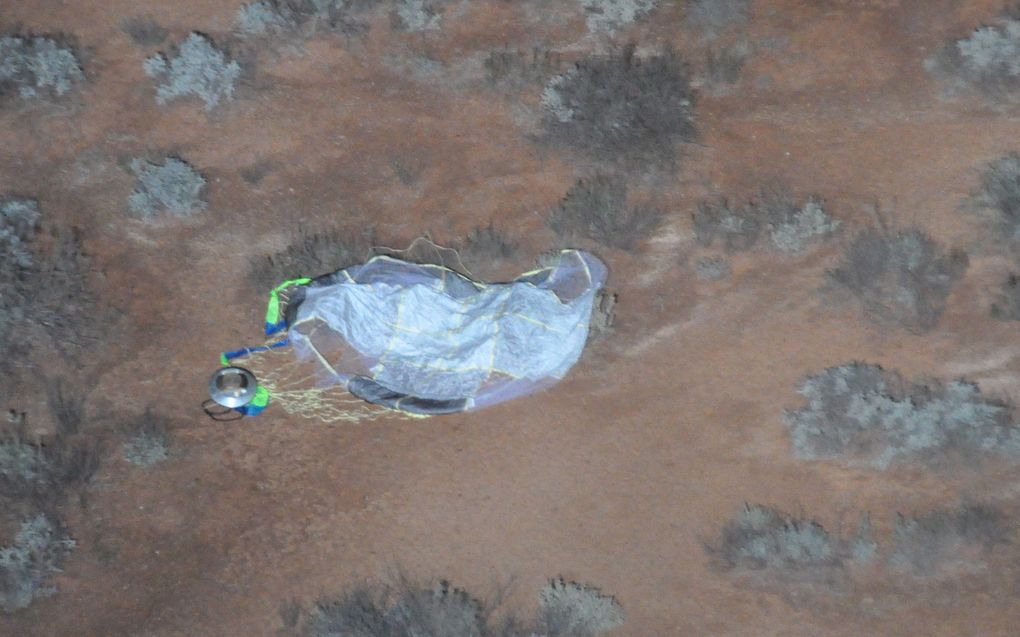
261,398
273,311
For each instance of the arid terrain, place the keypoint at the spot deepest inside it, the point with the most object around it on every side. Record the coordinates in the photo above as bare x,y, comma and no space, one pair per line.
622,475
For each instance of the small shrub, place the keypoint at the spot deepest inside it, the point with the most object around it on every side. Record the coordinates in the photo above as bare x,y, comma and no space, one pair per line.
301,18
512,68
149,443
67,406
904,277
715,16
791,227
571,609
39,549
762,537
923,544
724,64
416,15
198,69
867,414
985,62
311,254
596,208
712,268
622,109
145,31
1000,194
567,610
485,250
44,293
1007,305
606,16
172,186
38,66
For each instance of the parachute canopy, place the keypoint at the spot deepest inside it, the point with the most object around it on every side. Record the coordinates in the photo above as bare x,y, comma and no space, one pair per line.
426,340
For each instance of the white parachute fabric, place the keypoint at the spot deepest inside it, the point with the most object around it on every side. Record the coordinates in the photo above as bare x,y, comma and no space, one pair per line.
425,339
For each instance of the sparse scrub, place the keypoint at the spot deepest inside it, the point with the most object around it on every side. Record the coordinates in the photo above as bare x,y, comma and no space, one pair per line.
606,16
712,268
512,68
39,549
37,66
486,249
567,609
149,443
903,277
145,31
619,108
197,69
790,226
311,254
301,18
714,16
416,15
762,537
570,609
999,194
724,64
866,414
1007,306
988,61
41,289
922,544
172,186
596,208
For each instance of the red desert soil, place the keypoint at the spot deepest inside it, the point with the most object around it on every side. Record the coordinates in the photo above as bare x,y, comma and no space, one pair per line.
618,475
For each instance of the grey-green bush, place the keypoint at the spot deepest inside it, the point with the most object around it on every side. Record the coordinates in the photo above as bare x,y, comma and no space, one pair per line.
790,226
196,69
310,254
620,108
1006,306
924,543
302,18
38,65
999,194
171,186
606,16
596,208
762,537
715,16
39,549
149,443
985,62
868,415
903,278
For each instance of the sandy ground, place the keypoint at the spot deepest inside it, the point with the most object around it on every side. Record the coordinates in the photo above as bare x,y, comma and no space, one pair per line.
617,476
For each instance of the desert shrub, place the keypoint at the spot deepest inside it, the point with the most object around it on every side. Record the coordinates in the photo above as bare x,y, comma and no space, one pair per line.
762,537
145,31
569,609
301,18
197,69
310,254
416,15
39,549
513,68
149,442
922,544
790,226
606,16
987,61
44,290
485,250
172,186
596,208
712,268
38,66
869,415
714,16
45,472
999,194
621,108
1007,306
903,277
724,64
67,405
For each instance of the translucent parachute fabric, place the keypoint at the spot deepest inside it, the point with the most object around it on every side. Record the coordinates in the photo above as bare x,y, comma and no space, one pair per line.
425,339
